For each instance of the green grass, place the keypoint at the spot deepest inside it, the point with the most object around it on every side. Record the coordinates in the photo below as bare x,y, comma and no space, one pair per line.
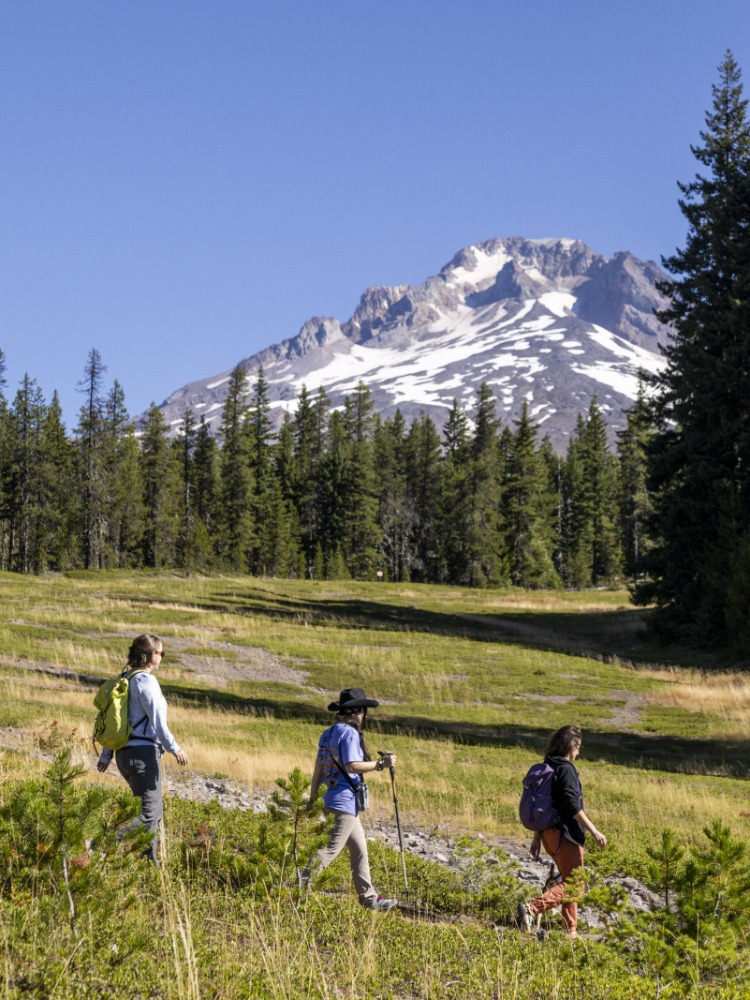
471,684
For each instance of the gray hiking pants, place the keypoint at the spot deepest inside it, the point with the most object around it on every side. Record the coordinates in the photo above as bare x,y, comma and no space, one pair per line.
140,766
347,832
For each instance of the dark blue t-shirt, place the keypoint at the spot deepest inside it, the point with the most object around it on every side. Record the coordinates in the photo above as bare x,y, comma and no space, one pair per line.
342,743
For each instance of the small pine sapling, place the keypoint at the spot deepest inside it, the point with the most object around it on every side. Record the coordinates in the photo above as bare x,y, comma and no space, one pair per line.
64,838
663,869
299,823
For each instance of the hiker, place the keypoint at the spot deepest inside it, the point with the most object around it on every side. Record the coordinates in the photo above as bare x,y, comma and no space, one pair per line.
564,841
341,763
139,761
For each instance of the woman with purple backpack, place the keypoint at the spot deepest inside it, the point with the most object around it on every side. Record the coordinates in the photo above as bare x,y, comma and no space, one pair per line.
563,841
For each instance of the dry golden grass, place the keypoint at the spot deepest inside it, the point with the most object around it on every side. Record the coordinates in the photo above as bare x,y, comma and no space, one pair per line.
726,695
553,601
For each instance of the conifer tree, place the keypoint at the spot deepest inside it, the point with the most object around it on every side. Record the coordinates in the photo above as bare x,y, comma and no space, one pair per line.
283,457
60,550
553,471
90,436
205,484
5,447
700,458
485,543
529,508
262,472
635,499
309,428
26,493
161,492
600,469
288,556
574,521
590,511
334,480
396,514
362,534
423,479
281,534
184,446
122,487
455,492
235,529
470,520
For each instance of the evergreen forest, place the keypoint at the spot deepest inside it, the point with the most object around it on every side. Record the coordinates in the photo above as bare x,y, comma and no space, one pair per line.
334,494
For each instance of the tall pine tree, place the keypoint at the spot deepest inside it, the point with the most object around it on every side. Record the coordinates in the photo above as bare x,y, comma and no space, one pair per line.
635,498
235,536
700,458
529,507
90,434
423,478
161,492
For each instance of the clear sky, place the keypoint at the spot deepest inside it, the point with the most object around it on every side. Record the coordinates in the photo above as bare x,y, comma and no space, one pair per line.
185,182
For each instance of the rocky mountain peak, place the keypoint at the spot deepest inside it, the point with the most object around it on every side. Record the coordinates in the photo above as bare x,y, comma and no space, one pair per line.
546,321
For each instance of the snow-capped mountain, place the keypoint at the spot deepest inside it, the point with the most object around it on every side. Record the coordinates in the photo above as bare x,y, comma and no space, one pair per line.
548,321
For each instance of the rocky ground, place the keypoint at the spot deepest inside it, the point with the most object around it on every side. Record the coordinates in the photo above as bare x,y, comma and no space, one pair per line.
433,845
429,844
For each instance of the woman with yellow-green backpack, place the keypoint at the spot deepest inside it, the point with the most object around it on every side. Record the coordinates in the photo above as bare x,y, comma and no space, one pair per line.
149,736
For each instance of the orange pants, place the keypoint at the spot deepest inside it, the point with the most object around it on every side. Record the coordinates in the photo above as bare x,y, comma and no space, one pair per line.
567,856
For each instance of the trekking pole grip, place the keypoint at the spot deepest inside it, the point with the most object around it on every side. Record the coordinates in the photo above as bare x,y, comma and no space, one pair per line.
392,770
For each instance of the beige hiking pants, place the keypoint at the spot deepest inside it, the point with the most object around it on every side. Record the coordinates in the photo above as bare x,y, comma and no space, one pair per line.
347,831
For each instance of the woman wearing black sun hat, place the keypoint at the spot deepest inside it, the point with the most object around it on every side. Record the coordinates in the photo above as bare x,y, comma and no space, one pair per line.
341,764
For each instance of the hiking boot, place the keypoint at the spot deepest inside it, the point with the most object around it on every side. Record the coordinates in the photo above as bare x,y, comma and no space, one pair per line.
303,879
525,919
381,904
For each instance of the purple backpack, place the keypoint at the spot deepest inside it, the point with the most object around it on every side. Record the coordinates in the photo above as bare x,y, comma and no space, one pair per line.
535,809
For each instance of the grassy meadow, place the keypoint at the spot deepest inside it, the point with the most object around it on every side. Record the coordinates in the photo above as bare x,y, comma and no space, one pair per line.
471,683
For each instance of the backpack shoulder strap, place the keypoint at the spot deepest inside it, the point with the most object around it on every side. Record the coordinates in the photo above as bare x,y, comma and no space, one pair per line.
128,675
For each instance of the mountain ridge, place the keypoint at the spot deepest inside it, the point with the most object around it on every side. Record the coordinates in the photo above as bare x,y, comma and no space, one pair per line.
548,321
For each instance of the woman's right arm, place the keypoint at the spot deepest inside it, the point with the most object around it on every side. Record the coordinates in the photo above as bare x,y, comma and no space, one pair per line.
154,706
581,818
317,777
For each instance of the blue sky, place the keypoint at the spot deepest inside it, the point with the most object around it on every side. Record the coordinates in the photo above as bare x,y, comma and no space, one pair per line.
183,183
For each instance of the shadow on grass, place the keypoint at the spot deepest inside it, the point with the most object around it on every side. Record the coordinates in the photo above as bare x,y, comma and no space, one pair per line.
647,751
619,635
677,754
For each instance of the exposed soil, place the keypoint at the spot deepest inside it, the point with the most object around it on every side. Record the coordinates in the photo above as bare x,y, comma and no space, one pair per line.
243,663
627,716
231,662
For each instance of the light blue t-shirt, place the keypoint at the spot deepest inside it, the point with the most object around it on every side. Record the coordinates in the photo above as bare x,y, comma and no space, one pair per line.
342,742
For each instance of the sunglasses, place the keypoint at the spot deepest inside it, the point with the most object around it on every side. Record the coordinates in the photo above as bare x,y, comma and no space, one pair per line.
159,652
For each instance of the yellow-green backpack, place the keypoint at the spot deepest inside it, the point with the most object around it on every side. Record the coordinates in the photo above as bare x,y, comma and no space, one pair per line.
111,727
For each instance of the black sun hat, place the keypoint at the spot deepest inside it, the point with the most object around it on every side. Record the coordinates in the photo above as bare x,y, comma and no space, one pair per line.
351,698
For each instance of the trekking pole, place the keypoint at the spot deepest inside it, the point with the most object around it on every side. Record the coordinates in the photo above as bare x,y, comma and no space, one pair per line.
382,753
